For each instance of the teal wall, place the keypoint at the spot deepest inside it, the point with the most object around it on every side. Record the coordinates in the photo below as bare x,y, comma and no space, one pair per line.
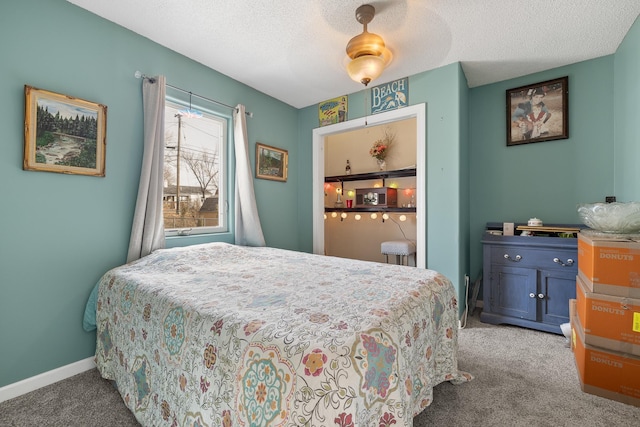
546,179
62,232
627,132
444,91
465,211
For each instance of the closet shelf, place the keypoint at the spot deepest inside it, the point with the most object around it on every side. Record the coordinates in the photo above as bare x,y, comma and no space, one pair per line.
399,173
370,209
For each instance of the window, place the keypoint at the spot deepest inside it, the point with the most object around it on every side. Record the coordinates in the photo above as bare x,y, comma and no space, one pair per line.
195,182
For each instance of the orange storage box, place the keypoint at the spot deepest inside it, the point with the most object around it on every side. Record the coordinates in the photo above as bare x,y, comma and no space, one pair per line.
609,322
609,265
605,373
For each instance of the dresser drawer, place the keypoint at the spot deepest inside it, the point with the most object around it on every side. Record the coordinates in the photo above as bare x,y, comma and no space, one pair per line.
527,257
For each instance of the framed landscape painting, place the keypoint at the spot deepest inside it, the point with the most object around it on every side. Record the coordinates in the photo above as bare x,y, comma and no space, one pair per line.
271,162
538,112
63,134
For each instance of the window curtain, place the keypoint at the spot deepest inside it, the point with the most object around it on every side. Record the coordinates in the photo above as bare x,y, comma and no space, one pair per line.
147,230
248,231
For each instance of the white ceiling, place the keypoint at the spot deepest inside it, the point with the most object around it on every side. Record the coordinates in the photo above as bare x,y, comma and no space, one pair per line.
294,50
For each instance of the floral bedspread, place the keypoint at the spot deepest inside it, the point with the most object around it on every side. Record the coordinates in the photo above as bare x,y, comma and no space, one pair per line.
224,335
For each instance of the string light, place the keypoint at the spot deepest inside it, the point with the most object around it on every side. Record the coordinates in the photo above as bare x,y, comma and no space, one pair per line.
385,216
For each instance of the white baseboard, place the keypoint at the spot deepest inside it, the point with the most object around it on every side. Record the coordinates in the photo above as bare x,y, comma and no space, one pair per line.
44,379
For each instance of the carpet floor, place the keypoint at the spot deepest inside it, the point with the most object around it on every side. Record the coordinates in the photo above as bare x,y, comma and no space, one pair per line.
522,378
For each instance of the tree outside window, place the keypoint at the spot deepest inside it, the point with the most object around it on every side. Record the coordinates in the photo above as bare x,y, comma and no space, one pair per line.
194,165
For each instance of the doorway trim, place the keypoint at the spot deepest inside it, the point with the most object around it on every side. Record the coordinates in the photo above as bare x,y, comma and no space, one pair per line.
418,112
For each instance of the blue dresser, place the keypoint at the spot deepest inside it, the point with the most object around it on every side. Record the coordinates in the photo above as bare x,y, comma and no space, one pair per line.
528,280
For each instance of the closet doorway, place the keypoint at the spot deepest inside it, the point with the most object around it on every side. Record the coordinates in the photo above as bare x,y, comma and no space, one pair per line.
416,115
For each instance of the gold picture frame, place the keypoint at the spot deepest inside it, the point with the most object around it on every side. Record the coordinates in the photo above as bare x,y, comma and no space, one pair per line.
63,134
271,162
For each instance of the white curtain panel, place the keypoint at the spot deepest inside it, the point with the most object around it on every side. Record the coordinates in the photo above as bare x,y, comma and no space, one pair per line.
248,231
147,231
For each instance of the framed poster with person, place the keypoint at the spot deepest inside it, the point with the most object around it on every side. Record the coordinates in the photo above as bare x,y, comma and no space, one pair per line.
538,112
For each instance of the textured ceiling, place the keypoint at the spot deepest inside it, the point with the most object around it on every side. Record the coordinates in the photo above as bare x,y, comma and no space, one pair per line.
294,50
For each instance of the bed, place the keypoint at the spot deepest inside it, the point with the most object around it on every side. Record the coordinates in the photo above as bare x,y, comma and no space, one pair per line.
225,335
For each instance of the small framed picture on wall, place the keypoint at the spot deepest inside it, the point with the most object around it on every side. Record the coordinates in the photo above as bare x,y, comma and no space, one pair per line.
271,162
538,112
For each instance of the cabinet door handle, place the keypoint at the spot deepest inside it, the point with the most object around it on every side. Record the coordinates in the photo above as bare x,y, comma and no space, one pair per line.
532,295
541,296
516,259
568,264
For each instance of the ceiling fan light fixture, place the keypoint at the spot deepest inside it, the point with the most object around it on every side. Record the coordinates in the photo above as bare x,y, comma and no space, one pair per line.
368,52
365,68
365,44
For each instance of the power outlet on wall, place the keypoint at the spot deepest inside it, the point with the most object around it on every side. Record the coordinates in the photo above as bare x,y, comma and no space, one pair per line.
610,199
